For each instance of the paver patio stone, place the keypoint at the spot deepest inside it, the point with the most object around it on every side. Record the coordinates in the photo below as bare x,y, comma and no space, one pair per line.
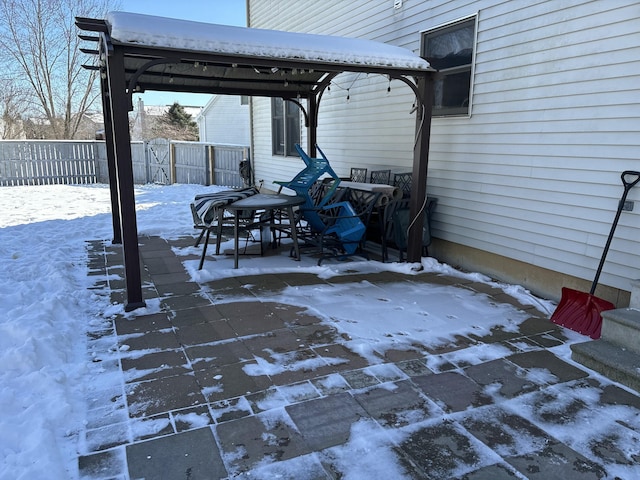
498,471
228,381
249,318
316,334
294,315
189,335
340,358
452,391
163,394
396,405
563,371
249,440
163,340
108,464
193,454
190,418
217,354
166,279
154,365
505,432
181,302
511,380
358,379
177,289
326,422
443,451
556,462
230,409
143,323
331,384
194,316
278,341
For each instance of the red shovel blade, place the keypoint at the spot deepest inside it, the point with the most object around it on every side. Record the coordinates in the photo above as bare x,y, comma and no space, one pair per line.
580,312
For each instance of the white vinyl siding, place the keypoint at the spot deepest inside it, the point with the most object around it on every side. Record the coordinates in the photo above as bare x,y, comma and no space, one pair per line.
224,120
534,173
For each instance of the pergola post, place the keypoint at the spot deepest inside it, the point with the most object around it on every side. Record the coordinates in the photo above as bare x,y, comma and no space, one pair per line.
418,199
111,163
312,130
119,121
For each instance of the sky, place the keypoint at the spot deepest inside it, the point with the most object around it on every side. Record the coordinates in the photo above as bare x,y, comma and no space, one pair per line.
50,303
224,12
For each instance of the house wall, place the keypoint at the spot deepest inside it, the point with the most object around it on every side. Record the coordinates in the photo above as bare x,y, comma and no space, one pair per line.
529,183
224,120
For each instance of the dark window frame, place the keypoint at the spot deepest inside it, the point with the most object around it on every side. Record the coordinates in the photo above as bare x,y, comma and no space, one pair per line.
285,127
454,84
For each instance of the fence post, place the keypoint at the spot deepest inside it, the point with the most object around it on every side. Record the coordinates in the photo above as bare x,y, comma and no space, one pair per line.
172,162
147,165
212,165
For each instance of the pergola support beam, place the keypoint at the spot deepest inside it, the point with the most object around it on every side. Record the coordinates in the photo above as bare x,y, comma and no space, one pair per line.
119,123
418,200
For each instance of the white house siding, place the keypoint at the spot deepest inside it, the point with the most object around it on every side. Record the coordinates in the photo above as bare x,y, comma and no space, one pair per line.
224,120
534,173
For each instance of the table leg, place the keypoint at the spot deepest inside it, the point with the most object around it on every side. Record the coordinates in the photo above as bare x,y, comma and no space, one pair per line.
294,234
236,222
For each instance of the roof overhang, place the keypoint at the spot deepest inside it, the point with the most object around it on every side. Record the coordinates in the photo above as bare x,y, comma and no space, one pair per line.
184,56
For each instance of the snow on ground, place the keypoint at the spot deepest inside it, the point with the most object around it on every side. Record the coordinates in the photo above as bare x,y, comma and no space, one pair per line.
48,308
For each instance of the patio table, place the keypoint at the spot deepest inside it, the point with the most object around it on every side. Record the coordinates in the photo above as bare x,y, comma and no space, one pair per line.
267,203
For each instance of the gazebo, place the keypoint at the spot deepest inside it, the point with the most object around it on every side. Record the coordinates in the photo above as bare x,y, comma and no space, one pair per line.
137,52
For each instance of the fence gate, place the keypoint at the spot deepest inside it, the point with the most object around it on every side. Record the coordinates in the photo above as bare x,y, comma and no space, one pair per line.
158,158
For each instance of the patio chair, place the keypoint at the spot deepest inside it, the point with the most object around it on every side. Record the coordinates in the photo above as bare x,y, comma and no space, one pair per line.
358,175
403,182
344,225
380,177
396,222
304,184
209,216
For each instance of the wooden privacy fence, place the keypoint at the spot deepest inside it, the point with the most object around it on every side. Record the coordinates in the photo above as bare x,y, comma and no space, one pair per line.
40,162
47,162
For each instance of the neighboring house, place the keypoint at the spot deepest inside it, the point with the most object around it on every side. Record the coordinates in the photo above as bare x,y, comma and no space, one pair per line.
224,120
536,115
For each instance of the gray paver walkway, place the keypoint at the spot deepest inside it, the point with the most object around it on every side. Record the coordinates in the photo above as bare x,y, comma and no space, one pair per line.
186,408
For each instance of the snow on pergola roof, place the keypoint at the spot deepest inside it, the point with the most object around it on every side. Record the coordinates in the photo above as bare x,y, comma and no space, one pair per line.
179,55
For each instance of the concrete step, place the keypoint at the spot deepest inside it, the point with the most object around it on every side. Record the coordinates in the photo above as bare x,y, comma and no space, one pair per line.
622,327
612,361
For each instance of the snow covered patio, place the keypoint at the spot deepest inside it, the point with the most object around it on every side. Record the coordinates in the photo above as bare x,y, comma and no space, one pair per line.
293,375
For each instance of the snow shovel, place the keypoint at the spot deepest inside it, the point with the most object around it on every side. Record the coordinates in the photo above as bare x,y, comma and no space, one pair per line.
580,311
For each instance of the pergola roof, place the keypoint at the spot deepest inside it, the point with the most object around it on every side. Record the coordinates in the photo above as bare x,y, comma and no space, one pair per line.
142,52
180,55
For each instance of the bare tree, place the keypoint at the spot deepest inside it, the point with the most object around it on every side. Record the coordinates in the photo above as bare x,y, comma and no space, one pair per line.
12,102
41,48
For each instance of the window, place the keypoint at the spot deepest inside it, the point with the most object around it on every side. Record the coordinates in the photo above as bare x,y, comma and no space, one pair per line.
244,100
285,127
449,49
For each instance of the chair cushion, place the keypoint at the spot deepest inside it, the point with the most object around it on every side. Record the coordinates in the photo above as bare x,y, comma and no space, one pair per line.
206,205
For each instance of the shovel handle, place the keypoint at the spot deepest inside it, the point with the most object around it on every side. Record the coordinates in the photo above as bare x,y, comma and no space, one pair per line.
628,185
